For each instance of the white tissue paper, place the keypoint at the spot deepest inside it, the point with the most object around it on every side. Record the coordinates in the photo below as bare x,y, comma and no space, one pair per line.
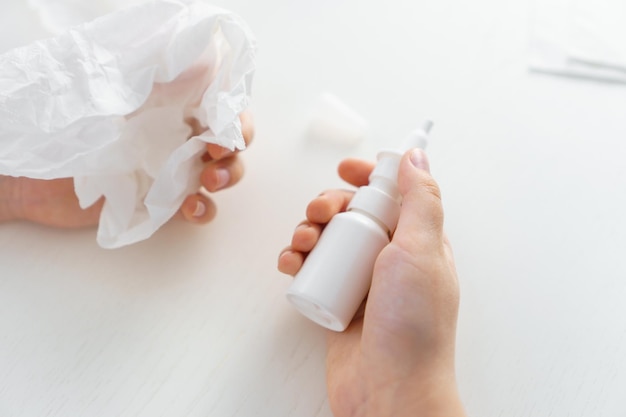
106,103
580,38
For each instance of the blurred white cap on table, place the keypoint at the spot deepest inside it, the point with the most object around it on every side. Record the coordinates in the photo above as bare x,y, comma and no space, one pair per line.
332,120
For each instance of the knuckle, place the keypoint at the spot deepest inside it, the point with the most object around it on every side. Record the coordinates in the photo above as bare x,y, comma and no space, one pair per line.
432,188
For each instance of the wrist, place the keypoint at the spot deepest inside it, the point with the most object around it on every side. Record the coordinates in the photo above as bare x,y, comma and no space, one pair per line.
9,198
435,398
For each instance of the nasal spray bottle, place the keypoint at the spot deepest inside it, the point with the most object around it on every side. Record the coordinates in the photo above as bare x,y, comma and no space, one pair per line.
336,275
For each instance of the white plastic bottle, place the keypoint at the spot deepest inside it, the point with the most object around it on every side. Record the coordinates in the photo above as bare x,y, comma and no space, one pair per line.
337,274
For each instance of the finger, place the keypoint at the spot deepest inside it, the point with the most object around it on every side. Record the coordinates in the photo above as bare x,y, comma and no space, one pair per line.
196,127
217,152
290,261
324,207
198,209
221,174
355,171
206,157
421,218
247,126
213,151
305,236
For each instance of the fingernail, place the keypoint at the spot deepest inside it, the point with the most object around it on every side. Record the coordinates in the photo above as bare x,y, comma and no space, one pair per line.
283,254
419,160
223,177
200,209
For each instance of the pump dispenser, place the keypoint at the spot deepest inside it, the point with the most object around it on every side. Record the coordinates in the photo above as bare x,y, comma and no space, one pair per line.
337,273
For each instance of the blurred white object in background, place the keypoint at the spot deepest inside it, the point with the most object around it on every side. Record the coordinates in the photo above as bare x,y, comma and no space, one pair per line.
332,120
580,38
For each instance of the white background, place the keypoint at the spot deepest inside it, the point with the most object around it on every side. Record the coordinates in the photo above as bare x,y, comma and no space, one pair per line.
193,322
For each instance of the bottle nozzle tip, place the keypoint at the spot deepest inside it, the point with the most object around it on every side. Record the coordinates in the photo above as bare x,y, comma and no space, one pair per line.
419,137
428,124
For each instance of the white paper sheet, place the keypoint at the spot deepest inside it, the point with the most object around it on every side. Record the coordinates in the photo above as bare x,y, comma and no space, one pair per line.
579,38
598,32
106,103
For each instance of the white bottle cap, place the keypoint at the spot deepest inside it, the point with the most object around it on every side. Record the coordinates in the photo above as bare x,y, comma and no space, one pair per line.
377,204
332,120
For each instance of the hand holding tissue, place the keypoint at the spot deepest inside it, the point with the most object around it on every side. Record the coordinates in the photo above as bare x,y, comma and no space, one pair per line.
109,103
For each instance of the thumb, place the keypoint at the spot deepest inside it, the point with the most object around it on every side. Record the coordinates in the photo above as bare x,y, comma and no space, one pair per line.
420,225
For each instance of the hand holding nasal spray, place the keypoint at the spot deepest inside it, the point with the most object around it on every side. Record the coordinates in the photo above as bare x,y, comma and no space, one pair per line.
336,275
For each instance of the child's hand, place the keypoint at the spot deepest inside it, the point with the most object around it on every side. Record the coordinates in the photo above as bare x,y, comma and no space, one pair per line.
397,359
222,169
53,202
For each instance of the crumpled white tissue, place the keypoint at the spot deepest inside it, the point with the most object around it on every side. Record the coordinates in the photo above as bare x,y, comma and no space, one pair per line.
580,38
107,103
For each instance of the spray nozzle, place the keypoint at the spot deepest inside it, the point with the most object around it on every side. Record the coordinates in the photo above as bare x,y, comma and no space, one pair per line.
381,198
417,138
388,160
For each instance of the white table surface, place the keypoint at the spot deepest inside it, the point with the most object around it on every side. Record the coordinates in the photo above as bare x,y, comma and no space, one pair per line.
193,322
